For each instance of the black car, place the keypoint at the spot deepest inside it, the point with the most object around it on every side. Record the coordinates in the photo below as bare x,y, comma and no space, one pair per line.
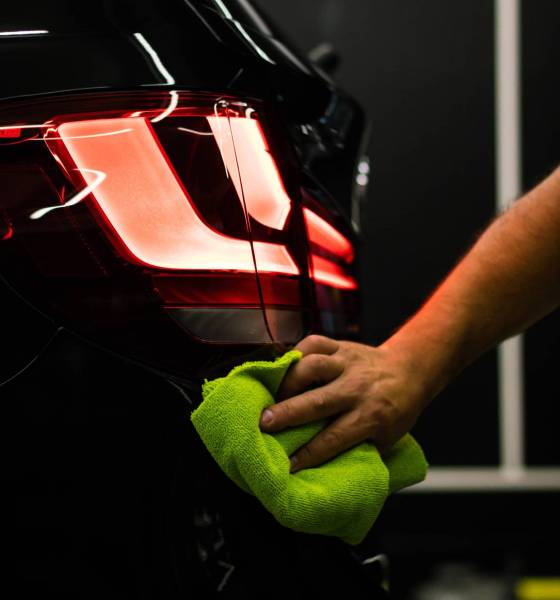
180,193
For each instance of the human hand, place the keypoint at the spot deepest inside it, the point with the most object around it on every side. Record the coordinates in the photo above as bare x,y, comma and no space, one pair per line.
369,393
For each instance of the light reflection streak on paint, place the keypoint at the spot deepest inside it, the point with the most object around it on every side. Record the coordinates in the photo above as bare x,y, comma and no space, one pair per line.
24,32
243,32
195,131
41,126
59,161
172,106
156,60
100,177
222,104
92,135
48,137
224,9
251,41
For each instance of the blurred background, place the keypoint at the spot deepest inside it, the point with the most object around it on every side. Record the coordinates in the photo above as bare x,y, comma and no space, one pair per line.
433,79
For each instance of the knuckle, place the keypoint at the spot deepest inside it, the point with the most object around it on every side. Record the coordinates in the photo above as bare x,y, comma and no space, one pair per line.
320,402
357,388
332,438
387,407
282,413
383,412
317,343
337,362
305,453
350,350
317,362
313,340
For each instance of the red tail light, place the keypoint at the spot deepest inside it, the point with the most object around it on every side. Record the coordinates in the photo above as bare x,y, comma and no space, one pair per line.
137,191
262,187
330,241
122,210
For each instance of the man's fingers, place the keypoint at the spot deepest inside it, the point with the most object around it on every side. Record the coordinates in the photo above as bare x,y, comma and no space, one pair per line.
311,371
317,344
340,435
309,406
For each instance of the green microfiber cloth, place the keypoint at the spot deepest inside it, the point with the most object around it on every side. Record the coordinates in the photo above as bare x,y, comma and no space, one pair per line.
342,497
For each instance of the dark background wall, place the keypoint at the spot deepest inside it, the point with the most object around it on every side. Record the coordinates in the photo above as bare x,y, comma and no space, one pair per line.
424,72
541,152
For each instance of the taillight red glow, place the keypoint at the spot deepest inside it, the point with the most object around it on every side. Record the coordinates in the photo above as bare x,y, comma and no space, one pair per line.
332,242
10,132
262,188
326,236
329,273
148,208
134,211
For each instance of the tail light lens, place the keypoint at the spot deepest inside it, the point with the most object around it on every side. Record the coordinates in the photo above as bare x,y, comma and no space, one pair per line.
332,259
326,239
136,217
145,205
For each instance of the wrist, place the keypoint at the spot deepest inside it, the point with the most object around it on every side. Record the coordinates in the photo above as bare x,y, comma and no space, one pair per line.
431,351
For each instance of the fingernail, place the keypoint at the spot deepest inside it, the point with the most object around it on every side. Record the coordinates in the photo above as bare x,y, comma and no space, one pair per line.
293,463
266,417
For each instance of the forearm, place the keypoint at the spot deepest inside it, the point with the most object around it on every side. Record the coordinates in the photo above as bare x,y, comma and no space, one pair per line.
507,281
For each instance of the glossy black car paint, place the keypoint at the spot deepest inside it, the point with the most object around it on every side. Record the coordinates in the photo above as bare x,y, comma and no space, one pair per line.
110,493
204,47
